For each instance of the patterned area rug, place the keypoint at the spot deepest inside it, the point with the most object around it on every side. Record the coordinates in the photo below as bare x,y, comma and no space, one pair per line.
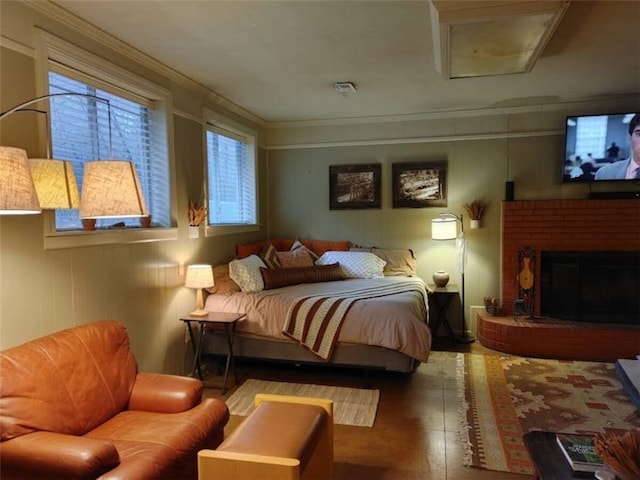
504,397
351,406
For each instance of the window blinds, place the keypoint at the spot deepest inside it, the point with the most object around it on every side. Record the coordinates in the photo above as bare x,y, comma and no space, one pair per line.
80,132
231,178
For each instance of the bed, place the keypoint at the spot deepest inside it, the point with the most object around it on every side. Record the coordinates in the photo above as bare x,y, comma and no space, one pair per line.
350,307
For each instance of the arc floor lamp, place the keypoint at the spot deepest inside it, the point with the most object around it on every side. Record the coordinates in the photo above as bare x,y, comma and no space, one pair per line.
110,188
445,228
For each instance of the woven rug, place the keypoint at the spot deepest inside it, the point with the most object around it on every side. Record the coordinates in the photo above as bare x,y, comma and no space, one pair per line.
503,397
351,406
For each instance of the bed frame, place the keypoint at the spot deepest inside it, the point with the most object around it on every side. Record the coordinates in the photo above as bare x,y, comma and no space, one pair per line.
367,357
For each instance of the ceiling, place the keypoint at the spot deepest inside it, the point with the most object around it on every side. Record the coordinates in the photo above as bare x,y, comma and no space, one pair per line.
280,59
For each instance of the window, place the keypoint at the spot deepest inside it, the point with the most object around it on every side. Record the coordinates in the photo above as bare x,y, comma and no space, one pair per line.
231,177
591,135
86,129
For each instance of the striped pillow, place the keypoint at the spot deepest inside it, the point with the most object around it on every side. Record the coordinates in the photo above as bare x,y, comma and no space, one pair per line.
282,277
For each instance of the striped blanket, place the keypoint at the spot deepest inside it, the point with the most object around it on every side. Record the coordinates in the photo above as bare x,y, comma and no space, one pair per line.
315,321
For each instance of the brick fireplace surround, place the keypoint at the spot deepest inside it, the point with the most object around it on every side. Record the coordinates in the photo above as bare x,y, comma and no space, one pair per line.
561,225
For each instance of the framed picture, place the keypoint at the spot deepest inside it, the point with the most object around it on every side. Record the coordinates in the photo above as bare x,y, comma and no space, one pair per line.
419,184
354,186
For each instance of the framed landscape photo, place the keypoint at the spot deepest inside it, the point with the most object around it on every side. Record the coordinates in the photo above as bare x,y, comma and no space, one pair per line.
419,184
354,186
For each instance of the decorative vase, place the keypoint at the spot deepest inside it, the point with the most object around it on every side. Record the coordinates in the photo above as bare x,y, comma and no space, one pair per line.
441,278
194,231
88,223
145,222
474,224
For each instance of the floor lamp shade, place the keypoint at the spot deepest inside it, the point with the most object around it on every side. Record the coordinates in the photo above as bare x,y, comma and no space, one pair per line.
443,228
17,190
55,183
111,189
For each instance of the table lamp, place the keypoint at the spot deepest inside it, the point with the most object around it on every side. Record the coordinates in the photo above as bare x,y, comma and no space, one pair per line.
199,277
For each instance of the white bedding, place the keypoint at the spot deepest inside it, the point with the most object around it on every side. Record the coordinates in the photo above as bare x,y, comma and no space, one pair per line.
397,322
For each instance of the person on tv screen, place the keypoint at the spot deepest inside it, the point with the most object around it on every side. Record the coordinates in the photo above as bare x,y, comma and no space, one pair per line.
630,167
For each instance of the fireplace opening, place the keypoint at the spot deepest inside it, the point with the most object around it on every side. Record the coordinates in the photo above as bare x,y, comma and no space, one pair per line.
602,287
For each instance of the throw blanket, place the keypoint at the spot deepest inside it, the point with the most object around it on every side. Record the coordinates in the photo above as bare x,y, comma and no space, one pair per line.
315,321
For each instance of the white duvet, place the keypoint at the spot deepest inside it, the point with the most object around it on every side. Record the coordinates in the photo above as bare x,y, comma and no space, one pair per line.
397,322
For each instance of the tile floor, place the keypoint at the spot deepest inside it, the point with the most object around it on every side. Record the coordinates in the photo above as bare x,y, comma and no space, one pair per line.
415,433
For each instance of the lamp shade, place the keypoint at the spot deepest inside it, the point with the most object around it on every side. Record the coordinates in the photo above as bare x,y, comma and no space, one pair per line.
443,228
199,276
55,183
17,190
111,189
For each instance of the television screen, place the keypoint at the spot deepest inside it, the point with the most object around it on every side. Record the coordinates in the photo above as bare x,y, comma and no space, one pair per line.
593,142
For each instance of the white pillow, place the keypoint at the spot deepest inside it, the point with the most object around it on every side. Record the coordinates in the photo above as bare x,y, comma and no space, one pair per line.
355,264
246,273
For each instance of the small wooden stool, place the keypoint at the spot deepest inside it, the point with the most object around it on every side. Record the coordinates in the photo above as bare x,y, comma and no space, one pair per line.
284,438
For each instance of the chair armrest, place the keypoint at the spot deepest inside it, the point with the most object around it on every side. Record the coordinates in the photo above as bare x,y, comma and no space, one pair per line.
157,392
49,454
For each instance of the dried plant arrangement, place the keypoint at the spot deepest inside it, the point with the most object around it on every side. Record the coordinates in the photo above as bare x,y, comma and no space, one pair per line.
475,209
197,214
621,453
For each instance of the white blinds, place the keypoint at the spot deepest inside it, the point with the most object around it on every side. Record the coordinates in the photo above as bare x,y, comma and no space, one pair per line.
80,132
231,178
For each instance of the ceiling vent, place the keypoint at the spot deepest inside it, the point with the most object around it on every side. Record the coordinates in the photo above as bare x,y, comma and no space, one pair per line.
345,87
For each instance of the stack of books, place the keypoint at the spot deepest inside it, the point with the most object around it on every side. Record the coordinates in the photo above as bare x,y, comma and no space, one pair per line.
580,452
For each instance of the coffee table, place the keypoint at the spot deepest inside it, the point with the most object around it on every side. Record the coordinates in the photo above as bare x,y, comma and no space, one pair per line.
548,459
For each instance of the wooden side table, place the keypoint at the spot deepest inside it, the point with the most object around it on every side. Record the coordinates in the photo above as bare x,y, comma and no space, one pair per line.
442,297
228,321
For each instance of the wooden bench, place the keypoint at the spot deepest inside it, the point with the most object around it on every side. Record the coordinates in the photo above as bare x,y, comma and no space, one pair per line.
284,438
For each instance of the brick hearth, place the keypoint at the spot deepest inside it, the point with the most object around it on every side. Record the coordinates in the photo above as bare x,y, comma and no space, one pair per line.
559,339
561,225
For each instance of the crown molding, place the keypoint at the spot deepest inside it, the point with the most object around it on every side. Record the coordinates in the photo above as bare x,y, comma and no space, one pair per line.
434,139
465,113
70,20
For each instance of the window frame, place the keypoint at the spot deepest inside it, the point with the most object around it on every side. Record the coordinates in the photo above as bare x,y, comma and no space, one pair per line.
51,50
221,123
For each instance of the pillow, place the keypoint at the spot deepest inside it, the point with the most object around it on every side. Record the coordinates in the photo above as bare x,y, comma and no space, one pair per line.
321,246
355,264
399,261
282,277
298,245
246,273
243,250
297,258
269,257
224,285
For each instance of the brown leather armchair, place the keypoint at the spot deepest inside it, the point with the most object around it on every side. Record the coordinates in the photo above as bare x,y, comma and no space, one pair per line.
73,405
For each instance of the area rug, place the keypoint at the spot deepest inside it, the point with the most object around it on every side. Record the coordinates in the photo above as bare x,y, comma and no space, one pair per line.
503,397
351,406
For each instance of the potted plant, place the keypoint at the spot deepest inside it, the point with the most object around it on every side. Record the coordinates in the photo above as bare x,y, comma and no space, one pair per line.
491,305
197,214
475,210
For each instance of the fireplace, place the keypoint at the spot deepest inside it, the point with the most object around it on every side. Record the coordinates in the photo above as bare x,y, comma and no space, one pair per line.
600,286
589,238
563,226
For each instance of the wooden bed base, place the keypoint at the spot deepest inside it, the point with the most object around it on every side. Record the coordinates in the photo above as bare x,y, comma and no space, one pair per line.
367,357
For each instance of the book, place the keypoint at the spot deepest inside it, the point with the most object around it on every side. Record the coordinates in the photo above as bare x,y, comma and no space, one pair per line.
580,452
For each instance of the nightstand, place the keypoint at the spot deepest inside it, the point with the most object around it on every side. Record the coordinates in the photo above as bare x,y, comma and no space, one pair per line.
442,297
211,321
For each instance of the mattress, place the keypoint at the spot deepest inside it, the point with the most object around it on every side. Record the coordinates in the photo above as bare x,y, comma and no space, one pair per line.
397,322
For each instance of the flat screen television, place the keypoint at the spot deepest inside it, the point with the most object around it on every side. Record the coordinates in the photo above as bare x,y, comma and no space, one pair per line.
593,141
